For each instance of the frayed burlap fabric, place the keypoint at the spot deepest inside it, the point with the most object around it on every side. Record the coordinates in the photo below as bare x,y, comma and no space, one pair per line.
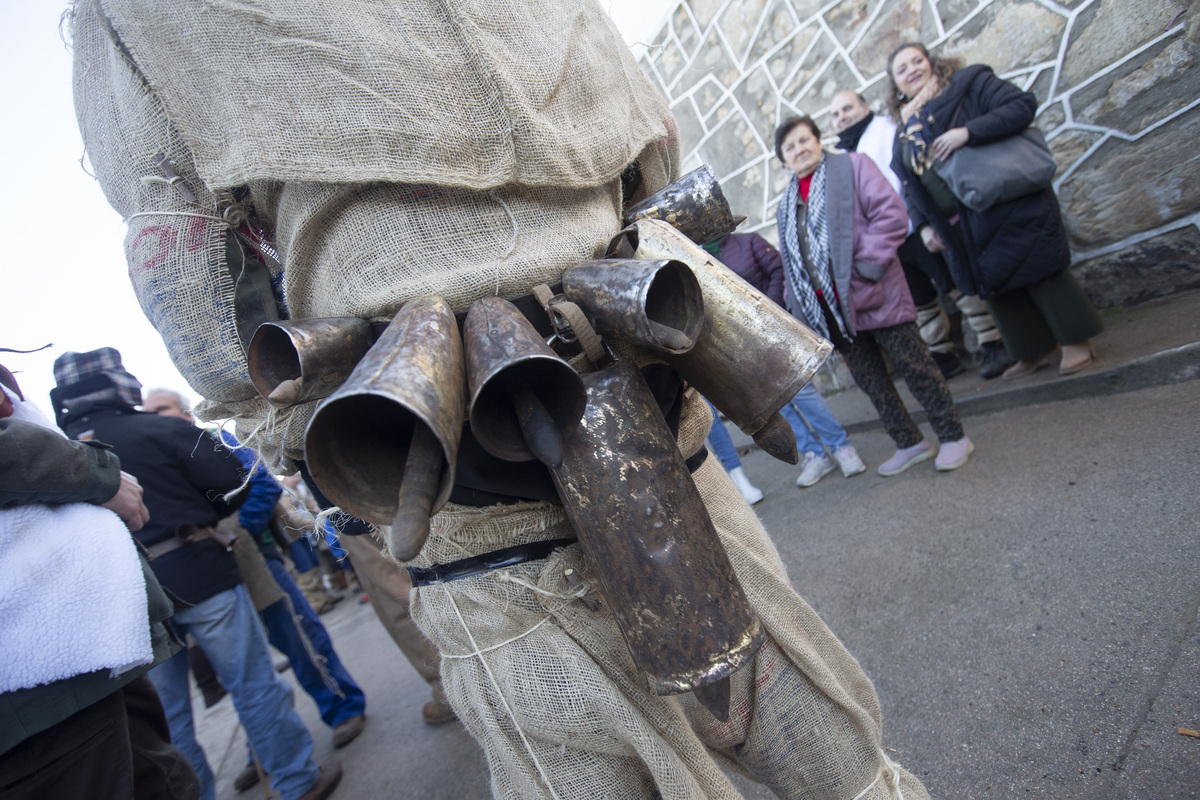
549,690
461,148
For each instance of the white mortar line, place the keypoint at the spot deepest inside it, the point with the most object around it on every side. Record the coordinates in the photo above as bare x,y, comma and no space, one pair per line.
1055,7
937,19
1138,238
1063,43
1071,170
1121,61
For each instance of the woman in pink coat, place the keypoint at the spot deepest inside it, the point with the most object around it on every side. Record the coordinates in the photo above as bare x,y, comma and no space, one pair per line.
840,223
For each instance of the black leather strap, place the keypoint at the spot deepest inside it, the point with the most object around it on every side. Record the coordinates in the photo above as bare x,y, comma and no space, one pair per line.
478,565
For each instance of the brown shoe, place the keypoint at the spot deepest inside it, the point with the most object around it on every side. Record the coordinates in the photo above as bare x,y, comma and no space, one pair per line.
435,713
1026,366
346,732
1075,357
329,775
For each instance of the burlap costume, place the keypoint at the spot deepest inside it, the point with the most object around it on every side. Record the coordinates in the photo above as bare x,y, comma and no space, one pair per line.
464,149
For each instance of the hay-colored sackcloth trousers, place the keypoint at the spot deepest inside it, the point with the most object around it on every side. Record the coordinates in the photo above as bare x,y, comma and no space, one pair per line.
549,690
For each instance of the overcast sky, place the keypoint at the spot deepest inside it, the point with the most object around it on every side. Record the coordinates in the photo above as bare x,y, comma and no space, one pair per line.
63,263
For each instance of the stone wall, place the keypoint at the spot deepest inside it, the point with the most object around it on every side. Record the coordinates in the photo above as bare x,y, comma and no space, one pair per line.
1117,81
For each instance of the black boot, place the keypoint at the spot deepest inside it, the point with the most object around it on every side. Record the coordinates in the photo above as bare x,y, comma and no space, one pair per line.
995,360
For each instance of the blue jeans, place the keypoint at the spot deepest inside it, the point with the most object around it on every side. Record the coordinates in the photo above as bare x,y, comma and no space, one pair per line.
722,443
229,632
828,431
333,690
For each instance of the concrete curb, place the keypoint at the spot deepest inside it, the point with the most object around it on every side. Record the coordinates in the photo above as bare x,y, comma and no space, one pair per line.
1167,366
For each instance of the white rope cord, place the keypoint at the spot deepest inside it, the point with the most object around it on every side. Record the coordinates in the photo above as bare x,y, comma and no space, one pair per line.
579,593
500,693
889,773
518,637
512,243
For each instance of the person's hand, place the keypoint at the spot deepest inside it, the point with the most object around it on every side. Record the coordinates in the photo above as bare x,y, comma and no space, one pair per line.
933,242
948,142
127,503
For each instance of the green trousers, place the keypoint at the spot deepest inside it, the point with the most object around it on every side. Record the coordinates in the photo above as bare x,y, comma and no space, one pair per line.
1052,312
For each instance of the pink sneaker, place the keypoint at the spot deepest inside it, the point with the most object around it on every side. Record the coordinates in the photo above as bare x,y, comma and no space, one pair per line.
905,458
954,454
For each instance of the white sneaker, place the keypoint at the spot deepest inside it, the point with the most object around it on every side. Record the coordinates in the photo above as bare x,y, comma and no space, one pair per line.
847,458
751,493
814,468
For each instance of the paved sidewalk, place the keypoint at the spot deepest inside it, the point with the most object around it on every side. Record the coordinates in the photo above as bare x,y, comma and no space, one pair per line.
1148,345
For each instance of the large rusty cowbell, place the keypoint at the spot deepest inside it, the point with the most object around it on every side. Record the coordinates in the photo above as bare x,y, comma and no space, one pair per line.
648,537
296,360
523,394
752,356
694,204
657,304
384,445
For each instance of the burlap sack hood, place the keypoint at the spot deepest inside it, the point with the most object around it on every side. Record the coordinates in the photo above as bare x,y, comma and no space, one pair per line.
506,93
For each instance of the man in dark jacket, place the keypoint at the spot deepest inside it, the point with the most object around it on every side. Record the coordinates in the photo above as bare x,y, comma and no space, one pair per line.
75,720
187,476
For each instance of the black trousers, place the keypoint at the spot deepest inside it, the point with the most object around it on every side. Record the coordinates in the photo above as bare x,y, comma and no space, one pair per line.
864,357
118,748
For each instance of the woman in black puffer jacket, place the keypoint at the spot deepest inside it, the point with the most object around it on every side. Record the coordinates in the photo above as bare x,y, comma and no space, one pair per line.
1014,254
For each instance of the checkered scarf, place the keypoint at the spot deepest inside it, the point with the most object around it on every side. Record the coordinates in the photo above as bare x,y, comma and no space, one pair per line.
74,368
805,279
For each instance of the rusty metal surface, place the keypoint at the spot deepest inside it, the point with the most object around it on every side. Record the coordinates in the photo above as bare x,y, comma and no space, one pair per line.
315,355
357,442
752,355
648,536
507,360
657,304
694,204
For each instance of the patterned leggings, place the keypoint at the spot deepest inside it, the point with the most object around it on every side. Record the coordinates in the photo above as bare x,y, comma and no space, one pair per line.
864,357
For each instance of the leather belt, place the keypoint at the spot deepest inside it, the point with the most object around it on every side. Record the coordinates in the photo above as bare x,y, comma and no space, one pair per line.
186,534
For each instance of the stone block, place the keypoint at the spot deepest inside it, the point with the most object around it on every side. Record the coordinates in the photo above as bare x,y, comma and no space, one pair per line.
711,59
955,11
746,193
1158,83
757,96
813,63
705,11
777,26
898,23
836,77
1107,30
847,18
739,22
733,144
784,59
1157,267
1008,36
1051,117
1125,187
685,30
1042,84
670,62
688,122
652,75
1069,146
707,95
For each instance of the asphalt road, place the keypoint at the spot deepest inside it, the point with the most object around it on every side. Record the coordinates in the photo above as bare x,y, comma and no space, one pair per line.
1029,621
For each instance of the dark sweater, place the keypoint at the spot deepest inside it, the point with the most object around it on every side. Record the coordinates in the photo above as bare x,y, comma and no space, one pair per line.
1010,245
183,472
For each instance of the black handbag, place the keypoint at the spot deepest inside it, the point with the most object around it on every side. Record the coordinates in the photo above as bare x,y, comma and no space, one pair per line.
981,176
